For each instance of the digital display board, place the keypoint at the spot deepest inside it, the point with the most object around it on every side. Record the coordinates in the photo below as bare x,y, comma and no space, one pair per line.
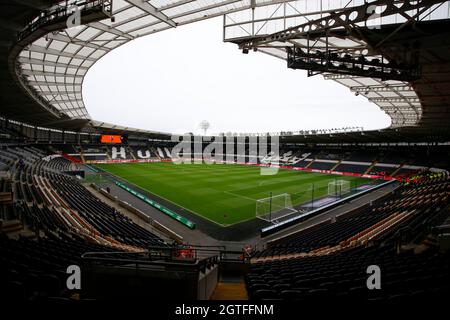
105,138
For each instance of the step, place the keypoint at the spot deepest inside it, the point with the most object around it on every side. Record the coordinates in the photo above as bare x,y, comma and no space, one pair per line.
11,226
5,197
230,291
431,242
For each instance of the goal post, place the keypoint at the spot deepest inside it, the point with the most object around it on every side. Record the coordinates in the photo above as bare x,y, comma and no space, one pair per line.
274,207
338,188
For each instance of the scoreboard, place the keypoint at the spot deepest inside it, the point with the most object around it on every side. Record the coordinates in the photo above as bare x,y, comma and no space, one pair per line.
107,138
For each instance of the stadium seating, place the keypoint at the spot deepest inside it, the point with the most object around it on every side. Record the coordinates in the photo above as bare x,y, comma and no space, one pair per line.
331,155
322,165
318,273
360,162
322,261
406,172
352,168
104,218
342,276
418,203
302,163
383,170
67,218
305,221
351,161
362,156
34,270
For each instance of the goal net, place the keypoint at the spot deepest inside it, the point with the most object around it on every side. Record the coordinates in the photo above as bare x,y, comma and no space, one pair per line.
274,208
338,188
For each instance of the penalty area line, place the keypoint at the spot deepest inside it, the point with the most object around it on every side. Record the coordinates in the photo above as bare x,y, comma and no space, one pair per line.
239,196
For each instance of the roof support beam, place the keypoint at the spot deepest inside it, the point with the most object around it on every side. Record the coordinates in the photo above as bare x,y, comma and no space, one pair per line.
59,92
102,27
73,109
64,38
395,99
332,76
175,4
65,101
342,19
49,74
35,48
386,88
151,10
52,83
50,63
213,6
131,19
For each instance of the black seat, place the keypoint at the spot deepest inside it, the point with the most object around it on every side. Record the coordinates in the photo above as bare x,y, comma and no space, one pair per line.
265,294
291,295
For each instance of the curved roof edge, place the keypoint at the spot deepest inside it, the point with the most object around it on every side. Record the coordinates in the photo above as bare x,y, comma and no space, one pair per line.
53,65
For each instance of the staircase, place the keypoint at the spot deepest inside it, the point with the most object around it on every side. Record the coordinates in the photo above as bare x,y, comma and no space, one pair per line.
431,241
6,198
14,229
82,155
70,158
107,153
396,170
369,169
230,288
131,152
337,164
11,226
153,150
309,164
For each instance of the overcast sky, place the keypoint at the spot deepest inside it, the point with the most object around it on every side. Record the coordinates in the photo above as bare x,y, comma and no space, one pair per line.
172,80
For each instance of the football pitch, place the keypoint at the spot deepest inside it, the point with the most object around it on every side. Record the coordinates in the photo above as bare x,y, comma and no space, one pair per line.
224,194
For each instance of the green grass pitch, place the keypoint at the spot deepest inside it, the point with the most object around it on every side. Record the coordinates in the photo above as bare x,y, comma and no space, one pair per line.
224,194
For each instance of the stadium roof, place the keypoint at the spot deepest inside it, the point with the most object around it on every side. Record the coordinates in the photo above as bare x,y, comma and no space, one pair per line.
349,44
52,66
49,61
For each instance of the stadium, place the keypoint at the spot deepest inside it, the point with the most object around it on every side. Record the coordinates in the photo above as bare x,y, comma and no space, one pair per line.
97,211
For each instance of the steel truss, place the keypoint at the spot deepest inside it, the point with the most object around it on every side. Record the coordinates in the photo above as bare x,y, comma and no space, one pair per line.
319,55
339,44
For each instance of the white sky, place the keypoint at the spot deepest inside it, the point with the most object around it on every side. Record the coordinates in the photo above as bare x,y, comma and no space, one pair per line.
172,80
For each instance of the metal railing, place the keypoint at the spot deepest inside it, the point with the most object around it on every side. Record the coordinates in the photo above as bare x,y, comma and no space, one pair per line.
61,12
184,257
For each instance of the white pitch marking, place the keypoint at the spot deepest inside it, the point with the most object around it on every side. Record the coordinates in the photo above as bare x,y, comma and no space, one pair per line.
238,195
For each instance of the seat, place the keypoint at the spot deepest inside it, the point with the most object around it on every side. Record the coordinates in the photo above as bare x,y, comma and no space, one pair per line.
291,295
265,294
281,286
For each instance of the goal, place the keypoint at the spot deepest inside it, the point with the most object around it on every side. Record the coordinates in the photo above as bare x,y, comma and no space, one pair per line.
338,188
274,207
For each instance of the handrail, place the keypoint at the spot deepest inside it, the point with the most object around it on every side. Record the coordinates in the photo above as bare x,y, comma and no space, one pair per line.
167,257
196,265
